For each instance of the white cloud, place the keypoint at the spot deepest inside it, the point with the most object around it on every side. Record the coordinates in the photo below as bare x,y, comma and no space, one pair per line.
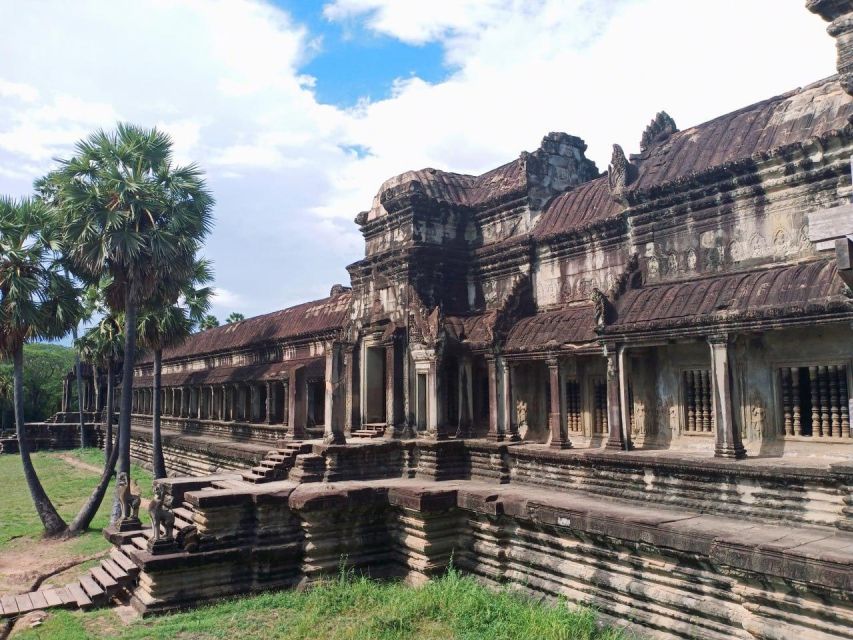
225,78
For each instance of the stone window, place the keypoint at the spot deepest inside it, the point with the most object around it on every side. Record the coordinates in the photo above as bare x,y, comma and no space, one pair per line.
599,406
574,416
815,401
698,408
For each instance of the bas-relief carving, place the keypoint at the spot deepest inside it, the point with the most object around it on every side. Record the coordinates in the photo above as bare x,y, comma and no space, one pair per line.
756,421
674,423
521,417
653,267
691,259
638,428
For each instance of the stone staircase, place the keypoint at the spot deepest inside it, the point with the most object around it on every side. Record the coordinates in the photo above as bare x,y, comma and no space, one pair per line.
277,463
96,588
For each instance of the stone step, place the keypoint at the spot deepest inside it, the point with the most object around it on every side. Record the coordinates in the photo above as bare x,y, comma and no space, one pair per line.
184,514
80,597
38,600
103,579
52,597
367,433
22,600
116,572
124,562
9,606
95,591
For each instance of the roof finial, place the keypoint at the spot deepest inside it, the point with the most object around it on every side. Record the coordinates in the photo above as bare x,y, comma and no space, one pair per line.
619,173
658,130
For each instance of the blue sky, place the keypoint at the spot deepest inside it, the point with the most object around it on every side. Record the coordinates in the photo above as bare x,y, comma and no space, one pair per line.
354,63
298,111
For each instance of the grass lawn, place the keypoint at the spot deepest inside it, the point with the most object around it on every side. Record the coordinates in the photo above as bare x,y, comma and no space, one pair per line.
68,485
349,608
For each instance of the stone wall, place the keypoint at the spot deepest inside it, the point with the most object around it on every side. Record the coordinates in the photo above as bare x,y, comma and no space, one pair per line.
671,574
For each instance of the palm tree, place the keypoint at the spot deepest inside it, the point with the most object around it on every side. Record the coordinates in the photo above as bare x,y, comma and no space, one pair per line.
37,301
131,215
90,306
209,321
101,347
234,316
162,326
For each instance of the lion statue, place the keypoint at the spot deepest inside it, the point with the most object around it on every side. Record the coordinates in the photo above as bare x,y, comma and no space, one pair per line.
160,511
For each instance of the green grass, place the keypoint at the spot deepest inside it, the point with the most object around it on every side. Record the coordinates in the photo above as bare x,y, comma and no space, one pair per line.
350,608
67,486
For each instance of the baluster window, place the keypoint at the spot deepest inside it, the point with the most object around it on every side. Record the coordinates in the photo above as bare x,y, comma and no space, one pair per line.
599,406
698,408
574,417
815,401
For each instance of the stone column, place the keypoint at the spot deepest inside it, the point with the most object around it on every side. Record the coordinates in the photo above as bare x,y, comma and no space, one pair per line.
348,355
510,424
434,429
465,416
559,437
270,404
297,425
495,432
333,431
727,443
616,437
391,417
254,402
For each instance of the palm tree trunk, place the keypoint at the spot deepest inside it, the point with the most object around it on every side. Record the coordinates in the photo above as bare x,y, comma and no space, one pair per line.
79,375
87,512
127,383
96,387
52,521
157,462
108,427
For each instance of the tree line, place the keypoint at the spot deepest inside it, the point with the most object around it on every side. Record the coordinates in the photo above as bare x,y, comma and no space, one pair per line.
114,235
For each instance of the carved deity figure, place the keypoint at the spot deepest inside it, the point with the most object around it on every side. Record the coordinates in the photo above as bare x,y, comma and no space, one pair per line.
756,420
599,301
160,511
673,419
521,416
127,492
639,425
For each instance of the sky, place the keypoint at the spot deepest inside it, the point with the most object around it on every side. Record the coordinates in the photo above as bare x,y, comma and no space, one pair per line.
298,110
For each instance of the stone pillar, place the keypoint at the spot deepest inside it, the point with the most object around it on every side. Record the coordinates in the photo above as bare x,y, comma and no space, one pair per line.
297,424
348,355
510,424
434,428
559,436
495,432
727,438
270,404
465,417
616,437
254,402
333,432
391,417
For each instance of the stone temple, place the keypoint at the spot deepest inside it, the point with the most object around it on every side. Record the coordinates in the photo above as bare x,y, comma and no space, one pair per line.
631,389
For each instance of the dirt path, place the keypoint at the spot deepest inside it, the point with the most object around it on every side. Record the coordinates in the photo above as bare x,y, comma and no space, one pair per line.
26,561
76,462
